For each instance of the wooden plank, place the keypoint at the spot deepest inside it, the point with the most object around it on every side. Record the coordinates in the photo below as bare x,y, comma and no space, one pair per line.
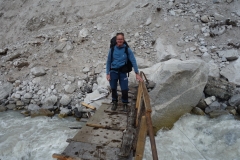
88,106
141,139
104,127
63,157
146,99
139,100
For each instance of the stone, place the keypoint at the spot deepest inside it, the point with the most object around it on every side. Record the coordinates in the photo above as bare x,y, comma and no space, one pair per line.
86,69
219,88
234,100
41,112
70,88
20,63
71,78
231,72
206,57
197,111
238,109
213,69
65,100
18,96
205,19
230,55
2,108
38,71
11,106
64,112
3,51
32,107
231,110
13,56
218,113
149,21
212,107
28,95
19,103
49,101
218,30
201,104
219,17
60,47
5,90
209,100
164,52
179,87
98,68
203,49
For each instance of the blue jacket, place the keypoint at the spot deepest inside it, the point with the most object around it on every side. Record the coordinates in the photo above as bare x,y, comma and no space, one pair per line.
120,58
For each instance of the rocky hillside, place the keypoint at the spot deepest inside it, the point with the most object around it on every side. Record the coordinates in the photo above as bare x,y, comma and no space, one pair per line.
54,51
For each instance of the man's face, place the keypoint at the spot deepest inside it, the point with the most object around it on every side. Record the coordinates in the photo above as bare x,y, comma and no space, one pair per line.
120,40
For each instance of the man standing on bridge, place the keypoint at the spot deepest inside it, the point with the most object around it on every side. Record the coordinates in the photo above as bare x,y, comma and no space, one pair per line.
117,60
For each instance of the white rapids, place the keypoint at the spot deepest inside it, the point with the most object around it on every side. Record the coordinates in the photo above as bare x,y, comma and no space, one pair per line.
192,138
198,138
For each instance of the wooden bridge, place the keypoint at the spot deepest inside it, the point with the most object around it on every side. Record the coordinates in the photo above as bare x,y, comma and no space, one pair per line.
115,135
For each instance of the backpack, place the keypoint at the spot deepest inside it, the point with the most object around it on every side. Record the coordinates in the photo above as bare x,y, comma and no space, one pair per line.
128,66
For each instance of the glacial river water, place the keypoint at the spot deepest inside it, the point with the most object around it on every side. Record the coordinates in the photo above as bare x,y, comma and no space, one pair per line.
192,138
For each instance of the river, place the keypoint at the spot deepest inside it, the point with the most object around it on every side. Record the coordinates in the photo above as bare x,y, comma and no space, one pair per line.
192,138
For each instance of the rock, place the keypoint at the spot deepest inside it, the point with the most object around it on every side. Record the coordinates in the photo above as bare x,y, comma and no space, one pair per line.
230,55
179,87
13,56
206,57
231,110
231,72
212,107
99,68
28,95
70,78
49,101
65,100
17,96
149,21
41,112
201,104
86,69
2,108
218,30
234,100
203,49
19,103
86,88
11,106
60,47
70,88
219,17
210,100
164,52
219,88
238,109
143,63
197,111
64,112
38,71
32,107
76,113
205,19
3,51
20,63
218,113
5,90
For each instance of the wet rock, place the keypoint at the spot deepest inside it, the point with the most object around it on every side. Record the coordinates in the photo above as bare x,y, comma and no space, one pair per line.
5,90
212,107
65,100
197,111
41,112
234,100
217,113
38,71
11,106
219,88
201,104
2,108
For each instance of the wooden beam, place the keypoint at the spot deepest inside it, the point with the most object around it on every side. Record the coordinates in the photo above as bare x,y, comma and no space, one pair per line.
64,157
139,100
141,139
88,106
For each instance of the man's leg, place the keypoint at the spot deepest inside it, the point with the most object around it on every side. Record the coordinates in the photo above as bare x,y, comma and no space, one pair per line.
123,80
113,83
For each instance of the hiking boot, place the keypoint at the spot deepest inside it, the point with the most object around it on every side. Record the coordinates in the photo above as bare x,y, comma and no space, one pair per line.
114,106
125,107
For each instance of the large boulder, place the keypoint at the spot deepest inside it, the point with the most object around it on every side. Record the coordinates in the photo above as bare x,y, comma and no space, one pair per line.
231,72
219,88
5,90
179,87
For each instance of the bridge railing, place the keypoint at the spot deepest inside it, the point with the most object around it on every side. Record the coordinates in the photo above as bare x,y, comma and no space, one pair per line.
144,121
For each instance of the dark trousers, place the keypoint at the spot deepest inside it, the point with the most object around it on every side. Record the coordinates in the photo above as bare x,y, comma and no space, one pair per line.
123,81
